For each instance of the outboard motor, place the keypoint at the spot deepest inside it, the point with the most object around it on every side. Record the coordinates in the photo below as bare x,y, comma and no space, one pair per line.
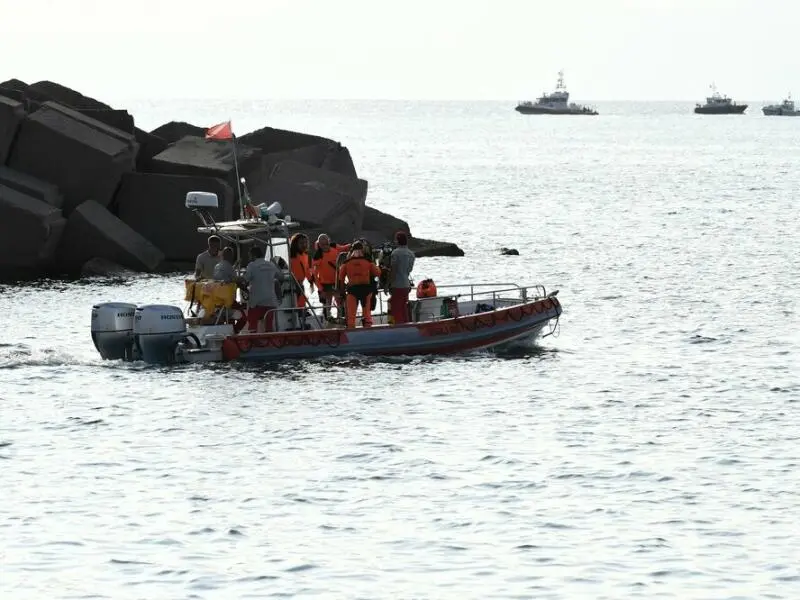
112,330
157,330
286,320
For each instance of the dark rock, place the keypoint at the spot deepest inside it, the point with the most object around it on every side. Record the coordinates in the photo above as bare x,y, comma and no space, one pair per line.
321,179
386,224
83,157
316,198
14,84
113,117
42,91
30,231
426,248
149,146
86,119
93,232
509,251
338,159
16,95
33,187
15,89
153,205
175,130
313,150
269,140
197,156
100,267
11,115
376,238
312,156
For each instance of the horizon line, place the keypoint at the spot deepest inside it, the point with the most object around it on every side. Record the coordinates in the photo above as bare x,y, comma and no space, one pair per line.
374,99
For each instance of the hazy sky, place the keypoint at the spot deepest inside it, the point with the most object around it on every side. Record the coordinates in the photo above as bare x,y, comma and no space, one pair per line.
414,49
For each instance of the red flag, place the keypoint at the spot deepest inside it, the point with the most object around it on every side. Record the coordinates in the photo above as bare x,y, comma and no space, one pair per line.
222,131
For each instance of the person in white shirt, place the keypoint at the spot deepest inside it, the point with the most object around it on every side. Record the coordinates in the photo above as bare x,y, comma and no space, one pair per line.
206,261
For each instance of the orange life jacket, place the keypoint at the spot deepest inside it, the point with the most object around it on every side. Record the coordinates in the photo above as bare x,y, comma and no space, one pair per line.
301,267
426,289
358,271
324,263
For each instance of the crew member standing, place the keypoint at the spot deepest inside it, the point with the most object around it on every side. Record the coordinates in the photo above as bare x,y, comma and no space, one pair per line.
401,265
224,270
300,265
324,272
358,273
264,279
207,260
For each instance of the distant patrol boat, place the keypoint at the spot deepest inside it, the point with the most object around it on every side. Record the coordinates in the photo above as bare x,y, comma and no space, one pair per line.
719,105
784,109
556,103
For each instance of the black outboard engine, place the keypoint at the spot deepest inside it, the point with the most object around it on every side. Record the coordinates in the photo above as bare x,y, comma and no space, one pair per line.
157,330
112,330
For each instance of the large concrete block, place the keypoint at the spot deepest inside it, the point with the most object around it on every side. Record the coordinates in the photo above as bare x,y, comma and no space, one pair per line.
11,115
153,205
375,237
83,157
85,117
46,91
149,146
33,187
315,197
93,232
386,224
338,159
42,91
269,140
113,117
13,84
175,130
314,150
423,248
289,170
312,156
197,156
30,231
14,89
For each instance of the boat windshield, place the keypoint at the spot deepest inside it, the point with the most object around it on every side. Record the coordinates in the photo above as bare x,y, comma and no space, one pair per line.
279,247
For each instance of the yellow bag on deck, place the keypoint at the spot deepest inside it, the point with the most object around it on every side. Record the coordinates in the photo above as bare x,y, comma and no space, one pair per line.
210,294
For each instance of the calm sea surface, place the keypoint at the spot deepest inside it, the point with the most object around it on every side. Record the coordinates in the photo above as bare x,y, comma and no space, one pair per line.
650,450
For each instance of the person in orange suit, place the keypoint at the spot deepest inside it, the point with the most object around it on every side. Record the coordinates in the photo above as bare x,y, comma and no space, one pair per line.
323,267
358,273
300,265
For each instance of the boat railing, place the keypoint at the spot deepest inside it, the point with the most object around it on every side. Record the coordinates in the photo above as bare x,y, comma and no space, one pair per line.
316,314
472,292
531,292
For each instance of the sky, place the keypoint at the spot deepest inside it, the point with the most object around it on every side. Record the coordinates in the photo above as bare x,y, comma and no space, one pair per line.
416,49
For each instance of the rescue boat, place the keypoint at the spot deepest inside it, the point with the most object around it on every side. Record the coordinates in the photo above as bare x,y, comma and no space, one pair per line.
444,319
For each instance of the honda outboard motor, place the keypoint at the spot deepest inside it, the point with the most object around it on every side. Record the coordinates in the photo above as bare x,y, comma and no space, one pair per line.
157,329
112,330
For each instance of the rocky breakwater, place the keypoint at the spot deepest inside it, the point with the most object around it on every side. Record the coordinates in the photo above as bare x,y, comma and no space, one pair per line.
81,183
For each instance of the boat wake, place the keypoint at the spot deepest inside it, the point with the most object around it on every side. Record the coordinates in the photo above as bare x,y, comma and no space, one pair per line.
14,356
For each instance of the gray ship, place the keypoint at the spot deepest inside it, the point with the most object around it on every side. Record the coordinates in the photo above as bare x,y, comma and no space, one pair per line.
784,109
556,103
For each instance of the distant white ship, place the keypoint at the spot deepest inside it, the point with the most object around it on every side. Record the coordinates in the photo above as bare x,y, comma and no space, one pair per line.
556,103
784,109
